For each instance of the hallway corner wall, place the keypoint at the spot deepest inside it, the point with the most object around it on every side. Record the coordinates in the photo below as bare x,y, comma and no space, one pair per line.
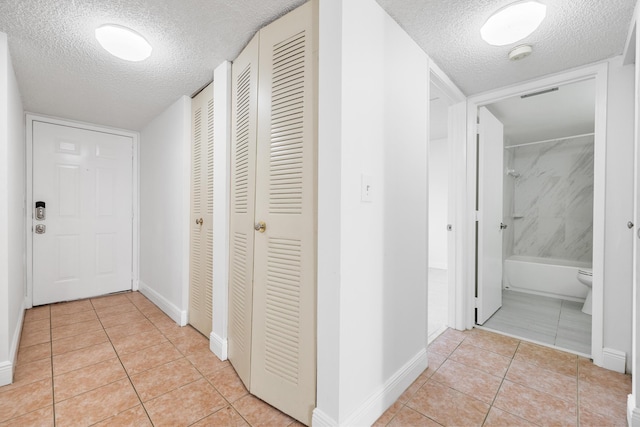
12,214
165,165
372,274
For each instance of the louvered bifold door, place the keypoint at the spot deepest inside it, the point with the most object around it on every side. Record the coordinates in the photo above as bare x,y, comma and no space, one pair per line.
284,331
244,102
201,257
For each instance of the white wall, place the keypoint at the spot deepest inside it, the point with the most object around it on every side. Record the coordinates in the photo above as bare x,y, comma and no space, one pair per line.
438,202
165,165
12,227
618,250
372,308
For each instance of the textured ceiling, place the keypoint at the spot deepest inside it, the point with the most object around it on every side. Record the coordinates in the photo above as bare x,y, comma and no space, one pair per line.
574,33
63,72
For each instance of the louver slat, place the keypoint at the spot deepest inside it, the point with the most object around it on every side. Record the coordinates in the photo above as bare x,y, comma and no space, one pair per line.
287,126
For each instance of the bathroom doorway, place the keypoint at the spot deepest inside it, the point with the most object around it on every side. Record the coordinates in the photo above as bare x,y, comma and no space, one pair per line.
447,115
551,153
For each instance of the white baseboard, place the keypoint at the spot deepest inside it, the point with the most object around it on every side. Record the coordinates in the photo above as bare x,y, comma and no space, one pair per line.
15,342
633,413
6,373
614,360
218,346
7,367
179,316
320,419
383,398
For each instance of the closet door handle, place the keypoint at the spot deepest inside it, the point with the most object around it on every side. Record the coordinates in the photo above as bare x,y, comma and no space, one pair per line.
503,226
630,224
260,226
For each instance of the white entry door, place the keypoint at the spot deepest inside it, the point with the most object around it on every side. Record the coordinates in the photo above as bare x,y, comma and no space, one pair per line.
85,180
490,174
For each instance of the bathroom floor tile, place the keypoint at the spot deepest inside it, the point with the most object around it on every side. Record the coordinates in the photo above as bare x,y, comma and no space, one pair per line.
548,358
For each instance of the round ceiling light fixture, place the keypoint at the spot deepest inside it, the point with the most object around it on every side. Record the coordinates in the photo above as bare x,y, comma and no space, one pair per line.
513,23
123,42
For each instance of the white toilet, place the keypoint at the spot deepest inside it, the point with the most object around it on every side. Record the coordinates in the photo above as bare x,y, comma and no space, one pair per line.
585,276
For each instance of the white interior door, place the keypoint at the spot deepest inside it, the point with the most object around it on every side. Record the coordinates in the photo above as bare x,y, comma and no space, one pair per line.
84,178
490,166
201,251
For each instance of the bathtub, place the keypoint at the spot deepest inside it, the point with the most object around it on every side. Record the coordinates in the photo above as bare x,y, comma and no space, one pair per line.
544,276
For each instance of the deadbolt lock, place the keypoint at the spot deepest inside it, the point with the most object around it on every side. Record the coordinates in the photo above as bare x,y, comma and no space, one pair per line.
260,226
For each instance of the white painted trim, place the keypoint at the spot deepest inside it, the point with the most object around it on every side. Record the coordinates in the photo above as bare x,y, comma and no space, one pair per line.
179,316
320,419
135,137
13,350
614,360
218,346
185,204
221,205
7,368
598,71
384,397
633,413
6,373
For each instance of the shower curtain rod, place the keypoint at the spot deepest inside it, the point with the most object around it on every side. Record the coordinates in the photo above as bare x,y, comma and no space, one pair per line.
549,140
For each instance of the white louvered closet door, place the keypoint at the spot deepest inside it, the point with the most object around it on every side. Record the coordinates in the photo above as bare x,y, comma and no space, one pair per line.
283,360
201,259
241,235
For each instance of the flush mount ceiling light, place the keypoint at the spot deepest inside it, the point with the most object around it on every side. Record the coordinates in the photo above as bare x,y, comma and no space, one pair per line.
123,42
513,23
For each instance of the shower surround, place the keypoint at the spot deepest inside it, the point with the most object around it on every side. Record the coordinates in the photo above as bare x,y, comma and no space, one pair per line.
552,199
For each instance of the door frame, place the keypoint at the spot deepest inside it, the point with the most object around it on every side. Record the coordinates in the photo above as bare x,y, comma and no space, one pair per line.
135,136
456,125
599,72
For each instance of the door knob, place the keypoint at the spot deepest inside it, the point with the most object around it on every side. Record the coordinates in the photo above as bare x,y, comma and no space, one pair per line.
630,224
503,226
199,221
260,226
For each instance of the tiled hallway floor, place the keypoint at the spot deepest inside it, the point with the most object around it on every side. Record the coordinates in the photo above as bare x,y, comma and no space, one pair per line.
481,378
118,360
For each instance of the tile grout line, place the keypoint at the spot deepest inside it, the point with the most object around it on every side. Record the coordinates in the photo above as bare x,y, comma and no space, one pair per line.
504,378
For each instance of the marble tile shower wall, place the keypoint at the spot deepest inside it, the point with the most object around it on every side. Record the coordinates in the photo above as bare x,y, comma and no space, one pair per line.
553,199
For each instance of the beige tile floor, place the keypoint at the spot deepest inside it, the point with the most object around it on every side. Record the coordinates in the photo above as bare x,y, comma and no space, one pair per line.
118,360
481,378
